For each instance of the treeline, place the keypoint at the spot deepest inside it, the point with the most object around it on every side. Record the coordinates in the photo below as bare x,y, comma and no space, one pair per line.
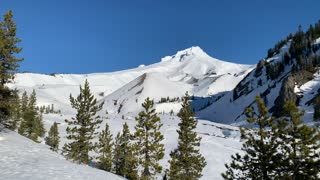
168,99
49,109
26,116
301,55
302,59
133,155
279,148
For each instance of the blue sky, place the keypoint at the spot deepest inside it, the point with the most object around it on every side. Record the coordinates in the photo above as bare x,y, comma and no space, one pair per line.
85,36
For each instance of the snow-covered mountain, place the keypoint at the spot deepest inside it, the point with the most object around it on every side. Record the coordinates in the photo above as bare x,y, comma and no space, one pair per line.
189,70
220,92
277,80
192,70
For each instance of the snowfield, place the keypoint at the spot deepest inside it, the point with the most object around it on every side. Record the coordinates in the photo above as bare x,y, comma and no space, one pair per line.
22,159
218,142
189,70
192,70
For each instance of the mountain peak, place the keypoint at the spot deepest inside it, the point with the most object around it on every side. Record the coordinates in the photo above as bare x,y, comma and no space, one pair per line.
180,55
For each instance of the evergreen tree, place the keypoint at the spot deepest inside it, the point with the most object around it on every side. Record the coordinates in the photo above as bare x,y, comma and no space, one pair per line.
8,67
261,158
300,146
12,121
53,138
24,102
39,126
148,140
31,124
81,129
104,146
124,157
186,161
8,49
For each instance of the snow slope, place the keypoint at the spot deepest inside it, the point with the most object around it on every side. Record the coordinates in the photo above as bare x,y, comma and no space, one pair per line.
22,159
218,142
189,70
192,70
250,87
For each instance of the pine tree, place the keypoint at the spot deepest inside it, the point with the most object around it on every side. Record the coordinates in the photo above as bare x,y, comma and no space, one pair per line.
39,126
24,102
261,158
148,140
31,124
81,129
8,45
104,147
8,65
35,117
300,146
124,157
186,161
14,117
53,138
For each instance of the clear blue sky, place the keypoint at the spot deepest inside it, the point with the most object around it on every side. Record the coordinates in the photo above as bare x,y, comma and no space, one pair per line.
85,36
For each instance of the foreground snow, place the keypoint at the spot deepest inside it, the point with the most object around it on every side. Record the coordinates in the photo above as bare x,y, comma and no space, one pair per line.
22,159
218,142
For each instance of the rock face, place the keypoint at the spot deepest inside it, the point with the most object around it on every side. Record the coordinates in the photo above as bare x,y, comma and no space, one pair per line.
286,94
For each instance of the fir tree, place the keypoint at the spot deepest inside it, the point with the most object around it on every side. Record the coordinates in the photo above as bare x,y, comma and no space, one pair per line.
81,129
14,117
24,102
104,147
124,157
186,161
9,64
53,138
31,123
39,126
148,140
300,146
261,158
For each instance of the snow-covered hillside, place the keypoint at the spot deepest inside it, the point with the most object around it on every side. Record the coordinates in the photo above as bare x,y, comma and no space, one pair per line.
218,142
22,159
192,70
189,70
243,95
